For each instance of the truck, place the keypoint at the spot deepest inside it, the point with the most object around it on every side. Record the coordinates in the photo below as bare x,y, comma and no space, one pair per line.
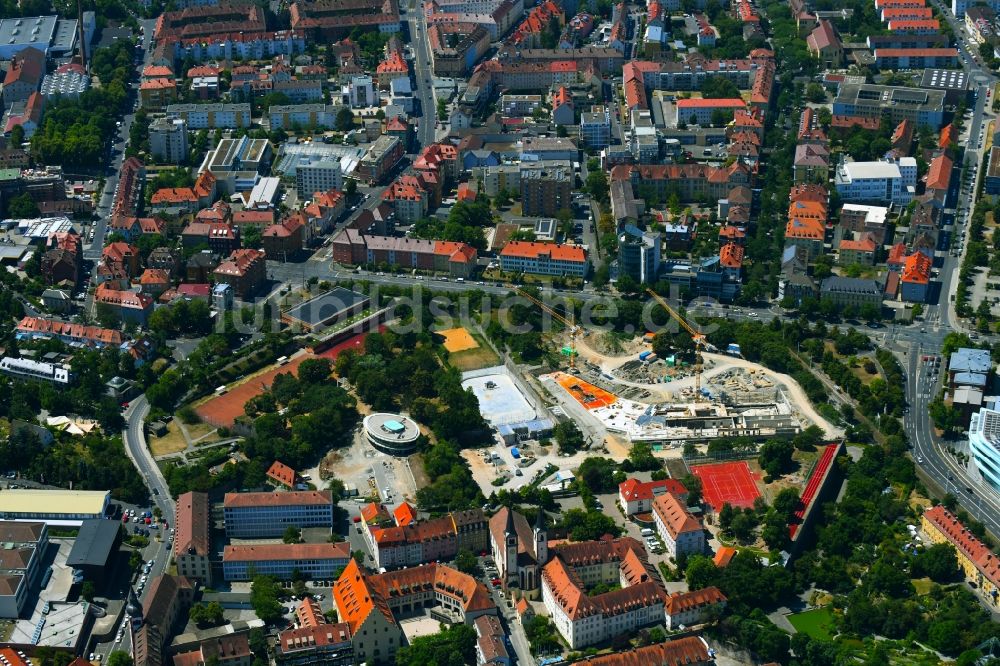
733,349
516,452
644,355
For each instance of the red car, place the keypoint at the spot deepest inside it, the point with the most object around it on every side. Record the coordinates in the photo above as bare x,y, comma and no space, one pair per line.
357,519
495,582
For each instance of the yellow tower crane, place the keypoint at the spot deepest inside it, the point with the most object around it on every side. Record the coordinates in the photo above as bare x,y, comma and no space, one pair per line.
700,343
567,322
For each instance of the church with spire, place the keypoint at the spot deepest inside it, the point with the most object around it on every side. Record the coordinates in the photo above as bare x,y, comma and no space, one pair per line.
519,550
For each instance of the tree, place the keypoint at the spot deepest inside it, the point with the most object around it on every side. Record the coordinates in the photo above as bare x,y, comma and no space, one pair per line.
207,615
315,370
264,598
815,93
453,646
292,534
87,591
22,207
466,562
344,120
119,658
568,437
337,490
252,237
350,187
775,457
16,136
786,502
937,562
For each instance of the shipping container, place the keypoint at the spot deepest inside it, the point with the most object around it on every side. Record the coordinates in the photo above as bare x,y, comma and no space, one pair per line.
643,355
515,452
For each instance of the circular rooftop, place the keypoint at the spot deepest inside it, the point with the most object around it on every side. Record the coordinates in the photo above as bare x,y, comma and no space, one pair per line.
393,433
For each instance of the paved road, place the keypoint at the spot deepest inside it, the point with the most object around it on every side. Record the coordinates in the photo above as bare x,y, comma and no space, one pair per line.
423,74
92,252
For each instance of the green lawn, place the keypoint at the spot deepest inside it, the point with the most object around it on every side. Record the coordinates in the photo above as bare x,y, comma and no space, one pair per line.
817,623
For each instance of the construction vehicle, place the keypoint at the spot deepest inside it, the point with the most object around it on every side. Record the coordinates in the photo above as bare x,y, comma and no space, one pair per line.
700,342
569,350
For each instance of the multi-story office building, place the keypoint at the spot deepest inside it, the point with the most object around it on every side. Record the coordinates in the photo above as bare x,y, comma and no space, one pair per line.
54,506
639,255
211,116
192,540
168,140
844,291
313,561
984,442
318,175
24,548
878,182
257,515
595,127
924,107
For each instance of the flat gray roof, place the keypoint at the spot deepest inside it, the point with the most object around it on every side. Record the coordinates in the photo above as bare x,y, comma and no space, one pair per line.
326,307
31,30
94,543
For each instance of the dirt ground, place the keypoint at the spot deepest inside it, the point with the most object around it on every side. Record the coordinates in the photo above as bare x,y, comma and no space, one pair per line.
457,339
172,442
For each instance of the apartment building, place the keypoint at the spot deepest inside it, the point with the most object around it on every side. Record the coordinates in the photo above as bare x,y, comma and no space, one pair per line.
977,561
689,608
456,47
244,270
546,187
691,181
314,561
211,116
168,140
595,127
554,259
351,246
303,116
260,515
700,111
130,307
74,335
379,160
915,58
192,538
333,21
678,528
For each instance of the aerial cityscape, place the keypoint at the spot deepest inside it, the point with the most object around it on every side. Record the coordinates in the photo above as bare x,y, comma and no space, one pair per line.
499,332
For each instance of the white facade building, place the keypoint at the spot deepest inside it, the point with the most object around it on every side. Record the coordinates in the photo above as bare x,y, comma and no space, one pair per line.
984,442
25,368
882,181
168,140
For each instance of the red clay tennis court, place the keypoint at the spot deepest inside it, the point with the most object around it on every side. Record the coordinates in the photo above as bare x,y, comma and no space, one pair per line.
727,483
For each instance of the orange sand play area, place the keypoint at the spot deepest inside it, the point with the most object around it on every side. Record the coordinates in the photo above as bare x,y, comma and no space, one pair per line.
457,340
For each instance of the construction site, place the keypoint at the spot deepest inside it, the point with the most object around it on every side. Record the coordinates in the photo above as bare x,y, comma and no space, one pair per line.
669,401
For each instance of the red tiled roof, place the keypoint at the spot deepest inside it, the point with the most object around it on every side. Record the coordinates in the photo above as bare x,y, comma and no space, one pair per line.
731,255
939,173
687,651
926,53
282,473
636,490
965,542
404,514
555,251
297,498
675,516
191,524
723,556
65,329
916,269
287,551
711,103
